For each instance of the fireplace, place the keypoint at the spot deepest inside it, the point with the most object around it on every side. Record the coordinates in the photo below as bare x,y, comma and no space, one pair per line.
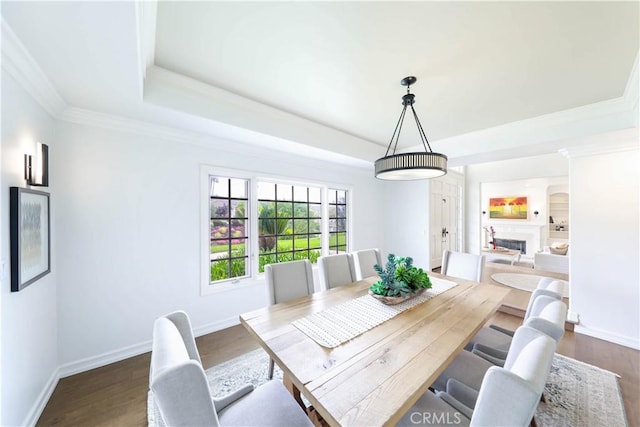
527,238
520,245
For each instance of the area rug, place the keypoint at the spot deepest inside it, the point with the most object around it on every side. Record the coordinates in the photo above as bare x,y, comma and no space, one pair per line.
579,394
525,282
576,394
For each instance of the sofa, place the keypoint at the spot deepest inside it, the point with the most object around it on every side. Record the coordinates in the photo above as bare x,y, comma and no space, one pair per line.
552,259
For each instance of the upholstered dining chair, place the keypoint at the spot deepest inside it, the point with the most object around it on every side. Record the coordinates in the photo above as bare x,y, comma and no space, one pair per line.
469,367
363,262
462,265
336,270
180,391
548,315
287,281
508,396
498,337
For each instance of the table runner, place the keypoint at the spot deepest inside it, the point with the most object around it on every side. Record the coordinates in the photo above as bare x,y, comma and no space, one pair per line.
339,324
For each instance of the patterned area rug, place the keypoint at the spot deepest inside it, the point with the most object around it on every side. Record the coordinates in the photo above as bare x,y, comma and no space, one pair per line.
577,394
525,282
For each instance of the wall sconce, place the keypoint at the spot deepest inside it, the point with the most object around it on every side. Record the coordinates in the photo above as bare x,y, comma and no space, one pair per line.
36,171
536,213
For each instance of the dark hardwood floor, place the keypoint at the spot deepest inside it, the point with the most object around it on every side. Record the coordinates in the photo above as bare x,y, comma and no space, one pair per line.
116,395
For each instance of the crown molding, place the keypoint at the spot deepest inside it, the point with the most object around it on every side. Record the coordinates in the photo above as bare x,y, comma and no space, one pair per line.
18,62
608,143
170,90
581,122
237,146
605,116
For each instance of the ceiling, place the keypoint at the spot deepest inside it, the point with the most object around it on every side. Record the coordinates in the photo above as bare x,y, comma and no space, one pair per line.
325,76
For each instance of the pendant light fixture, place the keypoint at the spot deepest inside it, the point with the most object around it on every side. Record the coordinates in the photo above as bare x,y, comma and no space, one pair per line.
410,166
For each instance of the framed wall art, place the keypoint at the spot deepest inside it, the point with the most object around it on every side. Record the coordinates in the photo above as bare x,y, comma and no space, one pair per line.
30,236
508,208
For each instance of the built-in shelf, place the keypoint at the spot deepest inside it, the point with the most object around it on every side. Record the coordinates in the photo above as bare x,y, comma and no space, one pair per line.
559,216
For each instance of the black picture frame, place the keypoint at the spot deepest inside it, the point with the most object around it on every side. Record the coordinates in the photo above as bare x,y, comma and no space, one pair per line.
30,235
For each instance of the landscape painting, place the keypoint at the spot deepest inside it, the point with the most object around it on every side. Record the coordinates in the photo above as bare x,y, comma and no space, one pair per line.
508,208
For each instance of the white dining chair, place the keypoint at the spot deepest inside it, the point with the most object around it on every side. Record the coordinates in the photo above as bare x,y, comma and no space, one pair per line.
287,281
548,317
336,270
462,265
179,387
520,383
500,338
363,262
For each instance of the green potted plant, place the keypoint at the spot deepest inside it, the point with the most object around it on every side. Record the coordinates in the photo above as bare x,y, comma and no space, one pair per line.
399,281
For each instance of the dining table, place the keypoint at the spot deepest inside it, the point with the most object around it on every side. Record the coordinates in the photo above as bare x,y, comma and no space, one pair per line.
374,377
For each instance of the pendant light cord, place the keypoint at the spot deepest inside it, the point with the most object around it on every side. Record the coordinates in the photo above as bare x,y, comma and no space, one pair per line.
398,129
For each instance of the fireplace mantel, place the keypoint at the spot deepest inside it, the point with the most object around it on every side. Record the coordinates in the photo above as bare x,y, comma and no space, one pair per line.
531,233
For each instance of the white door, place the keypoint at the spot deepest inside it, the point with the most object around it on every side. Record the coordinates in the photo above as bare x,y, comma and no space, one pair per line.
445,218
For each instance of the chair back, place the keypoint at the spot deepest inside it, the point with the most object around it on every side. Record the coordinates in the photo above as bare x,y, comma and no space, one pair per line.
462,265
336,270
510,395
548,315
177,380
538,293
363,262
552,284
289,280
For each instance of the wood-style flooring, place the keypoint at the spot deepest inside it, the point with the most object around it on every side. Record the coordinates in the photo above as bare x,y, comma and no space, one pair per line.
116,395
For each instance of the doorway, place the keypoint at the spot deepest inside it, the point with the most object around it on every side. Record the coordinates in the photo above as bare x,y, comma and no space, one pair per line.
445,219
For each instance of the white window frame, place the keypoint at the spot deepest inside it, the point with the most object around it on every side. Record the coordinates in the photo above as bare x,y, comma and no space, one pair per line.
256,278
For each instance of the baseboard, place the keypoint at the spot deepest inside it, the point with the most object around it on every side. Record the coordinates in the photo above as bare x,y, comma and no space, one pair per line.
109,357
104,359
43,398
630,342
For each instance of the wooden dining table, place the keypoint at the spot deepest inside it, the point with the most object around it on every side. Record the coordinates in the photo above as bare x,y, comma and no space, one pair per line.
374,378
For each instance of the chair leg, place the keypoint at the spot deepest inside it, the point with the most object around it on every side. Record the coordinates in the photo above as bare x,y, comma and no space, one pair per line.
270,376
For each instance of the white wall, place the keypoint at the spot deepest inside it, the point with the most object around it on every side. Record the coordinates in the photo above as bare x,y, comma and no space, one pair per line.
605,255
128,217
406,216
550,165
29,327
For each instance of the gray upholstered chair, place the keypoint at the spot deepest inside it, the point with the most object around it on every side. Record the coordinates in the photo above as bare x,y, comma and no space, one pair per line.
500,338
462,265
180,390
363,262
508,395
548,315
469,367
336,270
287,281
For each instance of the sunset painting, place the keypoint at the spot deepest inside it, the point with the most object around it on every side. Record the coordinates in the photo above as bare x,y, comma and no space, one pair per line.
508,208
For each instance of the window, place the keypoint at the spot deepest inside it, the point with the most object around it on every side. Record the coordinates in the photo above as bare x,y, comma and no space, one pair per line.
249,222
228,228
337,221
289,223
